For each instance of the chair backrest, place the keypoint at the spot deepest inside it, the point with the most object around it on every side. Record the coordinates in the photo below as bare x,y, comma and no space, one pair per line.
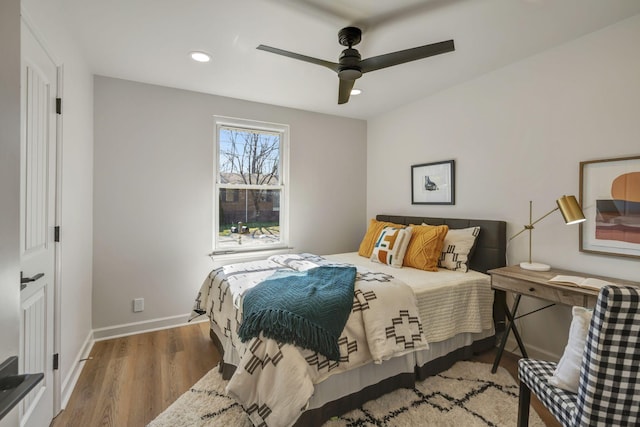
610,374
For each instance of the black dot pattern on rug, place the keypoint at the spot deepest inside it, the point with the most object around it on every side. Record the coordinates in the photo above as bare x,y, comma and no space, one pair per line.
467,394
213,393
435,399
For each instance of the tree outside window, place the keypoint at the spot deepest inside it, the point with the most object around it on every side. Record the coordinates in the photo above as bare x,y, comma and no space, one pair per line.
249,184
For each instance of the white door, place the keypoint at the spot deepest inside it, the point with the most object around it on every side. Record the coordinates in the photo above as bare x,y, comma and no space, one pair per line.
37,222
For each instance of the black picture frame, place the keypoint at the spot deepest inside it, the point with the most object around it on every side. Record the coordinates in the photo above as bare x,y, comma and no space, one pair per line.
433,183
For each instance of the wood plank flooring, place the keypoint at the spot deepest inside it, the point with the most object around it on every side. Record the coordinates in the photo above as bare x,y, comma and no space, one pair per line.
130,380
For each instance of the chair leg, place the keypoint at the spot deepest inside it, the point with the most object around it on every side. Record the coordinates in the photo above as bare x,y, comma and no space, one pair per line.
523,405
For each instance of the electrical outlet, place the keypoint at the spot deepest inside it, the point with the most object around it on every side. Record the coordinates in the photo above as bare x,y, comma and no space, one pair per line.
138,305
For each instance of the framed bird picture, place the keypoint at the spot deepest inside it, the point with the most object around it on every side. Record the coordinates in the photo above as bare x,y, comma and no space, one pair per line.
433,183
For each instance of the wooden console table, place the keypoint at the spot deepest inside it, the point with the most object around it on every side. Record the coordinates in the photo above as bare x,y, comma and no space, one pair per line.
536,284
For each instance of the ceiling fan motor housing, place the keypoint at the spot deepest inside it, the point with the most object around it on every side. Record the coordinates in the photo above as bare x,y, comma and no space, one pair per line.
349,65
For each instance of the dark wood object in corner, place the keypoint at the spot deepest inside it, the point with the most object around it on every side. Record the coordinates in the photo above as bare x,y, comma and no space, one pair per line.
14,387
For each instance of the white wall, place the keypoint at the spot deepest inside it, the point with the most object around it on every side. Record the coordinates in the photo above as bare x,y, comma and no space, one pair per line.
77,184
9,184
153,192
518,134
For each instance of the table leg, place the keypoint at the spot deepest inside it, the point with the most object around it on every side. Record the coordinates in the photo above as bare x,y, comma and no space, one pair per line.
511,326
516,334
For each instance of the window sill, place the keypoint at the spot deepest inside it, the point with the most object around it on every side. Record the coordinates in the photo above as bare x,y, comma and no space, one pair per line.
221,258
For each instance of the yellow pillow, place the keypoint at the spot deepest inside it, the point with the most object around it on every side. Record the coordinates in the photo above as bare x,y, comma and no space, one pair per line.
374,230
425,247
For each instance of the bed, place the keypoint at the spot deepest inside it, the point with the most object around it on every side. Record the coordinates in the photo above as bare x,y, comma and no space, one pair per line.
456,321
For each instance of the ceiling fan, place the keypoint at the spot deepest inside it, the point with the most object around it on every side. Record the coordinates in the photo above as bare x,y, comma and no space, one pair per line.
351,67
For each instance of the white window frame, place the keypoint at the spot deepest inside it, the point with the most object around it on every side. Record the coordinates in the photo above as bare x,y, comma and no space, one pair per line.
283,130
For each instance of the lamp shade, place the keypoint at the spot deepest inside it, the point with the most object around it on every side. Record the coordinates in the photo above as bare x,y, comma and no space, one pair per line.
570,209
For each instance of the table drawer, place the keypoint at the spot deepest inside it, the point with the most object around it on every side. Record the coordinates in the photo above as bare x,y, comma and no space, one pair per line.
563,295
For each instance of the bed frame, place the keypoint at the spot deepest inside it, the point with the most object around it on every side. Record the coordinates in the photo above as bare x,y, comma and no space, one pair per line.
489,253
491,245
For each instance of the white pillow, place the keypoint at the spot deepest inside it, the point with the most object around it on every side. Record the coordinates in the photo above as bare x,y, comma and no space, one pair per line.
457,248
391,245
567,373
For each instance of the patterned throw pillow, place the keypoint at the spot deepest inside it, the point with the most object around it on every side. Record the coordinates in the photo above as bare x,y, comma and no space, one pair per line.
458,245
391,246
370,238
425,247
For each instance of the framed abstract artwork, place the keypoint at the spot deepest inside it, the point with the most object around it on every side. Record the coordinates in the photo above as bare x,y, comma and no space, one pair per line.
610,200
433,183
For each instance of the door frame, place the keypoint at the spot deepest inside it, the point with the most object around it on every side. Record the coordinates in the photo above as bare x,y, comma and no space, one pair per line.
57,280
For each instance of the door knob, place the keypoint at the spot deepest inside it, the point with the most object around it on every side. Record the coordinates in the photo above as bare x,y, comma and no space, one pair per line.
25,280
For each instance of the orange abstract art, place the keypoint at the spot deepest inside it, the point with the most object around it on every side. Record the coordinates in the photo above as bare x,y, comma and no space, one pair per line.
619,218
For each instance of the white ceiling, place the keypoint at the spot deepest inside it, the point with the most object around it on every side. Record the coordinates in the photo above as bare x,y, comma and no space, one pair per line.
149,41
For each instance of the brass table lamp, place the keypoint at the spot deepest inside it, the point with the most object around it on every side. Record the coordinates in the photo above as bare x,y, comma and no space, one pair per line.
572,214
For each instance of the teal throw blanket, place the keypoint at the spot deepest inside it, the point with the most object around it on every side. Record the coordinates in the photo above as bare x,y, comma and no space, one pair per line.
307,308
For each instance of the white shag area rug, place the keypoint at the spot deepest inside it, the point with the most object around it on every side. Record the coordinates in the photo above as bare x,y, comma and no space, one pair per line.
467,395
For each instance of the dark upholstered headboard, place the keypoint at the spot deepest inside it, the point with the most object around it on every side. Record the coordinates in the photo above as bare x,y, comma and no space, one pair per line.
491,247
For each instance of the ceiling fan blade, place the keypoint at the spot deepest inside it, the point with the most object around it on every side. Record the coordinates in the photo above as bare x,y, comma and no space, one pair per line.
407,55
330,65
344,91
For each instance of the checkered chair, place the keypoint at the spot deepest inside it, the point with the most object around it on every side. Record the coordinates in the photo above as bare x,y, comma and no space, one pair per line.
609,387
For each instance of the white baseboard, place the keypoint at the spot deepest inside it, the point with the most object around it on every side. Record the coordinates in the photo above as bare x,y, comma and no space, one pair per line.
70,381
117,331
533,351
124,330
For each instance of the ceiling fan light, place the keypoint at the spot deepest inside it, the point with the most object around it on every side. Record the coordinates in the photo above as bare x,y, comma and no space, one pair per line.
349,74
355,92
200,56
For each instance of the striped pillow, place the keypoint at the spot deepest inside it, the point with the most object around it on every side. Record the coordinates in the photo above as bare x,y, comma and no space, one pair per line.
458,246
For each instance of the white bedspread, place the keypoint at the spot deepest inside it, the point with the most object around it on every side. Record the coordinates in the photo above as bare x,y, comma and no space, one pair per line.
449,302
384,323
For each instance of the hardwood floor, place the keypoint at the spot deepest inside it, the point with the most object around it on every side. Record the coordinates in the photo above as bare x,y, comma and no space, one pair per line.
130,380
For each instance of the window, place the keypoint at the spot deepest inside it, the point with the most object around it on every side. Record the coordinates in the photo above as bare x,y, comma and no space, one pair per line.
250,188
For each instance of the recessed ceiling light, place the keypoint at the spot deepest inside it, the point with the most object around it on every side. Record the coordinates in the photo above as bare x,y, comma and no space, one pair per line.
356,91
200,56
